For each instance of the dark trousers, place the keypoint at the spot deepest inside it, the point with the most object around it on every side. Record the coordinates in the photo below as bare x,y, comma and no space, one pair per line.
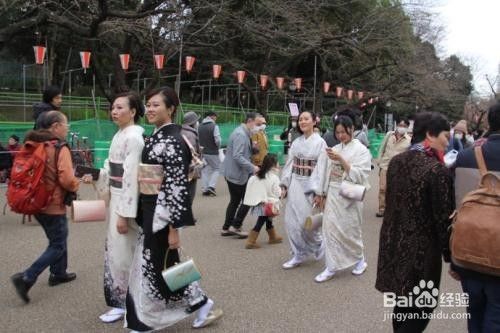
236,211
56,254
260,223
411,325
484,304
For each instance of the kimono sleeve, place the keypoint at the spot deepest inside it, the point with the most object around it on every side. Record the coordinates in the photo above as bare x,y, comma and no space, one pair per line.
360,166
127,206
172,205
320,176
443,204
102,184
286,174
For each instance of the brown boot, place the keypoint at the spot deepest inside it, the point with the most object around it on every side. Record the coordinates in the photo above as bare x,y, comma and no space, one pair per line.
252,240
273,237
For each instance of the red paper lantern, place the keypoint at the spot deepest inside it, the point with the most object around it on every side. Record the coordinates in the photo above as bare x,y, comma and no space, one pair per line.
263,81
298,83
360,94
159,61
190,63
39,54
280,82
339,91
216,70
241,76
350,92
125,60
326,87
85,58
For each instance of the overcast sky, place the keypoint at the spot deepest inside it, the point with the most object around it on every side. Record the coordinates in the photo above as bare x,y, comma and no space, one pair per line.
472,32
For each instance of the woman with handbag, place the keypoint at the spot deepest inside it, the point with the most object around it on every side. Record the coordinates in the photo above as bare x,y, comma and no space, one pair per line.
342,178
296,181
164,207
263,194
118,177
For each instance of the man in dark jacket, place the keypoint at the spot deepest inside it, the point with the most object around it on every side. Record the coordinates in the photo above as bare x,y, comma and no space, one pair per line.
483,289
52,100
210,140
190,132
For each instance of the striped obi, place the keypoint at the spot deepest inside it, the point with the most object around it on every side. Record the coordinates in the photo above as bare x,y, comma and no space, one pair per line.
115,174
303,167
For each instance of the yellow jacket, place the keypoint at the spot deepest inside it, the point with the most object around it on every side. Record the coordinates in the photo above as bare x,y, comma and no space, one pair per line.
259,140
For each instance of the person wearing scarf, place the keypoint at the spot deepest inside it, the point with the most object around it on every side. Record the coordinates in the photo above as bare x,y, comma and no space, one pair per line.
414,234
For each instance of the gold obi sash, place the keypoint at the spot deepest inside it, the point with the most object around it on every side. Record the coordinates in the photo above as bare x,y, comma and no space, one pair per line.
150,178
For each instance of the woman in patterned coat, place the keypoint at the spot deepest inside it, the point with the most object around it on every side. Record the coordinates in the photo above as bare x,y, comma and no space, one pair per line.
151,305
414,234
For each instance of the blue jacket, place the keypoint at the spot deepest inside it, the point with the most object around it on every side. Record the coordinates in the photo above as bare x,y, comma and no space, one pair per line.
467,178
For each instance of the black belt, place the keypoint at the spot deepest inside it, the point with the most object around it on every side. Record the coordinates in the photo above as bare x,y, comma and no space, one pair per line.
115,174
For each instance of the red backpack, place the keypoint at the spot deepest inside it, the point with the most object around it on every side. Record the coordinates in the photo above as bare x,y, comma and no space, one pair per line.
27,192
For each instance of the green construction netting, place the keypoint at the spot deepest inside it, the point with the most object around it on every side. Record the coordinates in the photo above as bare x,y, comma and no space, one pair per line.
98,134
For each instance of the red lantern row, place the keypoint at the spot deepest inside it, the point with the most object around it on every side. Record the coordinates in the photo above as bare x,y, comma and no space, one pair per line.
159,60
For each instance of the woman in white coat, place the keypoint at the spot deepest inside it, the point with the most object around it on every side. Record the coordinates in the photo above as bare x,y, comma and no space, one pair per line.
297,182
263,188
349,161
119,178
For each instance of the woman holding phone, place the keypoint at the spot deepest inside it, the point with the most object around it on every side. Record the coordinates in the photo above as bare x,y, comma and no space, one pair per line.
349,161
296,181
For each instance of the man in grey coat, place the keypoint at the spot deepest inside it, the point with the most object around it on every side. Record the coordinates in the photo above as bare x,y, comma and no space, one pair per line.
237,169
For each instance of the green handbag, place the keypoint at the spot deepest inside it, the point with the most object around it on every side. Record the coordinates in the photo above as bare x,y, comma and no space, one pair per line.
180,275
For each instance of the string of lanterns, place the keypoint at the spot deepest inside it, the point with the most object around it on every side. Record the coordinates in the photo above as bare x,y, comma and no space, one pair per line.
159,61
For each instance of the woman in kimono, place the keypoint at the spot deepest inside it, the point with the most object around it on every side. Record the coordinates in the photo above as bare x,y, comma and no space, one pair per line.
297,183
348,161
119,179
151,305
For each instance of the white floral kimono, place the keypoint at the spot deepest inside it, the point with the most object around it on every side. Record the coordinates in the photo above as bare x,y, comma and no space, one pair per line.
119,177
342,217
303,243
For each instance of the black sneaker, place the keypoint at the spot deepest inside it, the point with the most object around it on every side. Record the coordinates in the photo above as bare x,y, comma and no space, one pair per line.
211,192
205,193
22,286
54,280
379,214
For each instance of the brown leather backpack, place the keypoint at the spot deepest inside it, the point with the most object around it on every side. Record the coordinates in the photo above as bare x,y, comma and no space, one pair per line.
475,237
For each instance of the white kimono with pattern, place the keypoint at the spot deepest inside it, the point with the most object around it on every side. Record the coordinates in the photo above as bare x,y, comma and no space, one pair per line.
126,149
303,243
342,217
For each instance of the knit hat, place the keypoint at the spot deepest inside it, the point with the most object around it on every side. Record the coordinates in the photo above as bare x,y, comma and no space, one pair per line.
190,118
461,126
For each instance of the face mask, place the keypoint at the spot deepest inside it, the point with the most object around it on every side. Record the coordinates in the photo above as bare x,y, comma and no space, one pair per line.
263,127
401,130
459,136
196,125
469,138
294,124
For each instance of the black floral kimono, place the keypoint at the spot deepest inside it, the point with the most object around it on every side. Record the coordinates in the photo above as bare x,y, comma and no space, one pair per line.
150,304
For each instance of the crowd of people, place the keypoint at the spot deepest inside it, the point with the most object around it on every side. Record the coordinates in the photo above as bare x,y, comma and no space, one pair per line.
151,181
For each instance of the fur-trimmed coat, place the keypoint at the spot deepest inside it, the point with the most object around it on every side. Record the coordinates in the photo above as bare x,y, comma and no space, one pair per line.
414,234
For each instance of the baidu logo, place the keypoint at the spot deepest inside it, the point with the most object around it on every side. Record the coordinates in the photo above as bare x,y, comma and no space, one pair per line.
424,295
